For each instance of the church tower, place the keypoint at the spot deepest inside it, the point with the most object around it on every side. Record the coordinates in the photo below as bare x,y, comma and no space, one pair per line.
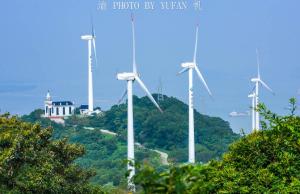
48,105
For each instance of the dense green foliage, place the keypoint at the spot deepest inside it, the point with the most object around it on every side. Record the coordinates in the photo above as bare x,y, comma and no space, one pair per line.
30,162
266,161
105,153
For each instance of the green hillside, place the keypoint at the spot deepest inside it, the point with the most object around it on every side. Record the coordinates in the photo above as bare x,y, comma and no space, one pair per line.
163,131
168,130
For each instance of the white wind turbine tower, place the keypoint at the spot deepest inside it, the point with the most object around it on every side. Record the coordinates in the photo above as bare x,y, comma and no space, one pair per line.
130,77
257,82
252,95
190,66
91,42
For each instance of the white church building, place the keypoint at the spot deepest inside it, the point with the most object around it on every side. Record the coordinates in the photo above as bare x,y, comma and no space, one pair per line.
58,110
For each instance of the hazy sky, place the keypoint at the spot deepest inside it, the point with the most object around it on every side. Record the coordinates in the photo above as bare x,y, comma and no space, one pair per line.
41,49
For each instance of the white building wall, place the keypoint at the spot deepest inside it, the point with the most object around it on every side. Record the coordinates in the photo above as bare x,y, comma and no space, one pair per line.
45,112
57,112
61,111
54,109
68,113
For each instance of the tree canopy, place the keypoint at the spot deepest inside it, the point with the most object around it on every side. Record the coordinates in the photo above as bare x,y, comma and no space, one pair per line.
31,162
266,161
106,154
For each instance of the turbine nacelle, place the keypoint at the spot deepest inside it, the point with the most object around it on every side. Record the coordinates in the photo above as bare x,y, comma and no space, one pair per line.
126,76
255,80
188,65
87,37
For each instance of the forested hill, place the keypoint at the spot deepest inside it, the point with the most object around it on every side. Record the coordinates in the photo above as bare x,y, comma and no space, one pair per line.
168,130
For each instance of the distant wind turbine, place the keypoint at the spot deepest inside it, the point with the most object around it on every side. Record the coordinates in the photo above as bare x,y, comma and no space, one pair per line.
255,95
91,43
190,66
130,78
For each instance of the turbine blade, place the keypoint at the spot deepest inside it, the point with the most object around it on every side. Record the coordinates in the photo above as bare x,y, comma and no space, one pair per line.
266,86
123,96
147,92
196,44
94,41
258,65
95,51
92,23
133,45
183,70
203,80
93,30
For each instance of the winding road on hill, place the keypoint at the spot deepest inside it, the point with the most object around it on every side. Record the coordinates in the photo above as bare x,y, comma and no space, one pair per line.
163,156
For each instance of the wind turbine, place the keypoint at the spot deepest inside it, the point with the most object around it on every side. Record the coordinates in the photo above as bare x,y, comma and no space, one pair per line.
190,67
91,43
257,82
130,77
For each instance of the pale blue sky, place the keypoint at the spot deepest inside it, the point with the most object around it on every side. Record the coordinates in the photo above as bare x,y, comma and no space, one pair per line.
40,49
